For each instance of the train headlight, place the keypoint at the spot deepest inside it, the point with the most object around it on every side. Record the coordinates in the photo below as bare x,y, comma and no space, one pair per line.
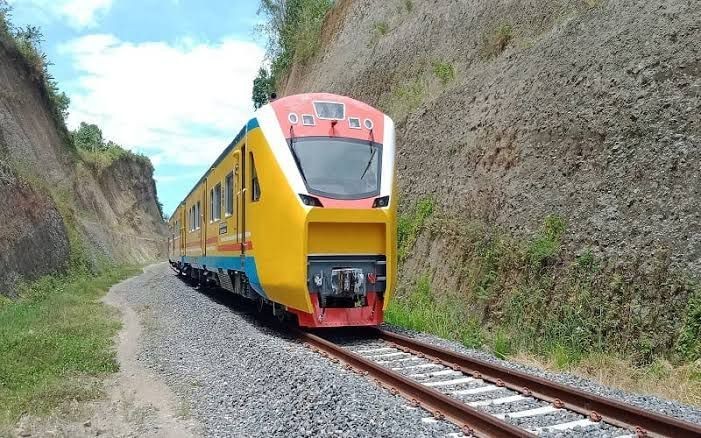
318,279
381,202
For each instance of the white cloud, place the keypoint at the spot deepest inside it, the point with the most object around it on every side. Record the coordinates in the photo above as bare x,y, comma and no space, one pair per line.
78,13
177,103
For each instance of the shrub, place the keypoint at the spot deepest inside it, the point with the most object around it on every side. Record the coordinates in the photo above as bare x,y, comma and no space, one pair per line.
293,29
689,344
263,87
28,40
444,71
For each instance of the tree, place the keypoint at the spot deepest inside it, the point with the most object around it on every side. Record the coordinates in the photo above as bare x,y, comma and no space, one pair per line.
88,136
293,32
263,87
5,11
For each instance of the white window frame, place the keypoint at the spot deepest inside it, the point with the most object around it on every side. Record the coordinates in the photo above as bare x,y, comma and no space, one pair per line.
198,218
229,188
308,124
215,203
328,101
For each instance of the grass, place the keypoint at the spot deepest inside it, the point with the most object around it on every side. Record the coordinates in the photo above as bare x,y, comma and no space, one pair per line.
421,310
444,71
410,224
294,33
405,98
101,159
660,378
54,341
533,297
497,41
381,28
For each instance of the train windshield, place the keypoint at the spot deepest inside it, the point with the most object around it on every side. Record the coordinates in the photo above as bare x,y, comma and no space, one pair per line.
339,168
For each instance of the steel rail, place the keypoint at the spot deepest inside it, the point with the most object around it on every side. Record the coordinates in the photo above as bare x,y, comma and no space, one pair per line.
642,422
470,419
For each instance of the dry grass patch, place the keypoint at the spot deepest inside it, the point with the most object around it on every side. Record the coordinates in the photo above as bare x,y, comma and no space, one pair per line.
661,378
497,41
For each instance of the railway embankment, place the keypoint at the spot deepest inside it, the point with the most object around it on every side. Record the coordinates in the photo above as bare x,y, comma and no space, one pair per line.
223,369
71,219
62,208
548,168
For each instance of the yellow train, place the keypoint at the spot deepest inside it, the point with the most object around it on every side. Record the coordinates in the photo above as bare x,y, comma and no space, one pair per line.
298,213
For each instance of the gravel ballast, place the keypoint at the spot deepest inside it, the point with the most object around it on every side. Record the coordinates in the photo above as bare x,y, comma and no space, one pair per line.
652,403
243,378
240,375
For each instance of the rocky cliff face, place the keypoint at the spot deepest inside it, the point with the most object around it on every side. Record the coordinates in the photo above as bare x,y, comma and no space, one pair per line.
511,110
560,141
53,205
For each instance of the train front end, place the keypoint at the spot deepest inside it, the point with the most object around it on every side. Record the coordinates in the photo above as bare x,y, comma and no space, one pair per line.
343,154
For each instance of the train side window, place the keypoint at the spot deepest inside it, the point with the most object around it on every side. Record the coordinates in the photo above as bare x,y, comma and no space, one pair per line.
229,191
215,203
198,219
255,185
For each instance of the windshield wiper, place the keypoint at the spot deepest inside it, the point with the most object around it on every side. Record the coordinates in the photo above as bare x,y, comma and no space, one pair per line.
372,156
294,154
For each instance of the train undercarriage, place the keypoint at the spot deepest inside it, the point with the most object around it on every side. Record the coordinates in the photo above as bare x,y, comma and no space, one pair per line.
344,290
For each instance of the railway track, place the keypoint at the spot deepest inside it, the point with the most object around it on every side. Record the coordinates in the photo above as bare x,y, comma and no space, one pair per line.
488,400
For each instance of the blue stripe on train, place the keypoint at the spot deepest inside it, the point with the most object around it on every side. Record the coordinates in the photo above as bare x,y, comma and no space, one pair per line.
234,263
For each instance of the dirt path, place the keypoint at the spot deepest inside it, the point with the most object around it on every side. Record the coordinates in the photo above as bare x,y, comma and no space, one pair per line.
137,402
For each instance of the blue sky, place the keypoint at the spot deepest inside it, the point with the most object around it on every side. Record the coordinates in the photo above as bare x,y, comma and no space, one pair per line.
168,78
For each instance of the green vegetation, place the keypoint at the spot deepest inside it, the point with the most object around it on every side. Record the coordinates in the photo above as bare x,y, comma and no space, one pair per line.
381,28
55,341
293,30
444,71
27,41
689,343
496,42
410,224
408,5
92,147
263,88
529,295
405,98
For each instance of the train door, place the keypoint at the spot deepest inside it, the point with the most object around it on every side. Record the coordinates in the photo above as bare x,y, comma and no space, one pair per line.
235,192
242,201
203,212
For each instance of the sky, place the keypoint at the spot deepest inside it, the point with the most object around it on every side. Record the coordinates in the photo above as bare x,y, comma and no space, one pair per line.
170,79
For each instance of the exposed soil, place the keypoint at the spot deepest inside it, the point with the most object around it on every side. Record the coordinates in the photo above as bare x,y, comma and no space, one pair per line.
48,190
137,403
588,109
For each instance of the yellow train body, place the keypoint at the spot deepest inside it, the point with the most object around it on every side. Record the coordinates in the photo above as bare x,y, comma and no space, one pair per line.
257,224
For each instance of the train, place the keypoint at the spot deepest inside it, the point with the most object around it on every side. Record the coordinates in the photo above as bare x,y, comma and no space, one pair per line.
298,213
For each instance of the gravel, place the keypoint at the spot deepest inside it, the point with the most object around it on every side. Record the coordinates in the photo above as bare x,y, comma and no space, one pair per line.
241,377
648,402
